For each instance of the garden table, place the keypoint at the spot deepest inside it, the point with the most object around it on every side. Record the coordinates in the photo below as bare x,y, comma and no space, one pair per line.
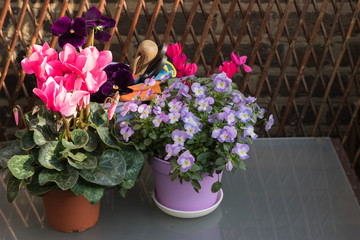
294,188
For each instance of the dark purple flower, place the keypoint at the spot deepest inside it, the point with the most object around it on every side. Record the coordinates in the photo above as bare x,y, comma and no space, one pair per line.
98,22
73,32
119,78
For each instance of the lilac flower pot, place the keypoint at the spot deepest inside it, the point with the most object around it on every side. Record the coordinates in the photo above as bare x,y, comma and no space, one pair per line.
178,196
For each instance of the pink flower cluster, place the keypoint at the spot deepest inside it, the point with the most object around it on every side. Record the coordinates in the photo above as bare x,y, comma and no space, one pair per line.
183,69
232,67
65,80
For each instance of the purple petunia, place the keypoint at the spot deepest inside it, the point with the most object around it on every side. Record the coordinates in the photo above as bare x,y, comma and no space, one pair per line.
73,32
179,137
99,22
186,160
241,150
269,123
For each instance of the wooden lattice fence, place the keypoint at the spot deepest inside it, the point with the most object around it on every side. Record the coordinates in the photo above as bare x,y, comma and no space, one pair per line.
305,54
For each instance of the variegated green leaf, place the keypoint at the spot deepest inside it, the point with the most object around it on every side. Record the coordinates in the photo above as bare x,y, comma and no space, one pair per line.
65,179
20,166
49,155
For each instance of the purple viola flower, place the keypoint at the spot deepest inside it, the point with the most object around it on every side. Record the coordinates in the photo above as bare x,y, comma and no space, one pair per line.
237,97
98,22
150,81
119,78
250,99
190,118
244,115
229,166
175,105
230,117
144,111
162,117
126,132
269,123
215,133
172,150
249,131
211,117
222,82
186,160
184,110
73,32
227,134
199,91
184,90
174,117
128,106
191,130
204,104
260,111
241,150
156,110
148,94
179,137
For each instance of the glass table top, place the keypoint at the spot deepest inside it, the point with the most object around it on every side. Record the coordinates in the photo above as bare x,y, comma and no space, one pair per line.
294,188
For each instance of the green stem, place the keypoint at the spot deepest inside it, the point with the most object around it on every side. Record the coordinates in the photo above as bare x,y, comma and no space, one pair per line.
67,136
92,37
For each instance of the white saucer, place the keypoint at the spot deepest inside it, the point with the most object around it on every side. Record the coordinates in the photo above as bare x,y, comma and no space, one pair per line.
189,214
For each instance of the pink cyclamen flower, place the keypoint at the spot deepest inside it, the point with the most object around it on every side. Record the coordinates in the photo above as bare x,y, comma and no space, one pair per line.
173,50
190,69
16,115
111,111
238,61
229,68
179,62
186,160
57,98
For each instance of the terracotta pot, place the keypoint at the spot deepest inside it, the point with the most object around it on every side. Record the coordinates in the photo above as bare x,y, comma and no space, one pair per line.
137,88
67,212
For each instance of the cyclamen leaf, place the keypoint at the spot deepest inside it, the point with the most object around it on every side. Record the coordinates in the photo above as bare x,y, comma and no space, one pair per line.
107,138
110,170
79,139
91,191
65,179
89,163
49,156
134,162
7,152
13,188
27,141
91,145
20,166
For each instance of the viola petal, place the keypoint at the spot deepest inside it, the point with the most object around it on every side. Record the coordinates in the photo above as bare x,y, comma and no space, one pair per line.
107,22
79,27
93,14
61,26
102,36
72,38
